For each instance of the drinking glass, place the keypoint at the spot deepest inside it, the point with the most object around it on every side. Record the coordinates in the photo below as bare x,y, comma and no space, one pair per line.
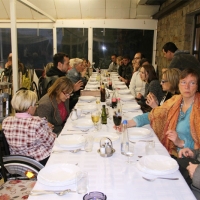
95,115
150,147
117,119
129,152
81,182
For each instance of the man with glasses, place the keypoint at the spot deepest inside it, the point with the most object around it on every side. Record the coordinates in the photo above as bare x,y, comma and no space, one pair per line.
180,59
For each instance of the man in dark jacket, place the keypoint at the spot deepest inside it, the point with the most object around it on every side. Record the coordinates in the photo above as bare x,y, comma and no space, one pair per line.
180,59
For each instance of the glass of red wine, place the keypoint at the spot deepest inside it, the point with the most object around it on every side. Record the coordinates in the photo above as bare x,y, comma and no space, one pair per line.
117,119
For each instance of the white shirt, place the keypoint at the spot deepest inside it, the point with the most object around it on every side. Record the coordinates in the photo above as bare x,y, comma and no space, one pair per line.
137,85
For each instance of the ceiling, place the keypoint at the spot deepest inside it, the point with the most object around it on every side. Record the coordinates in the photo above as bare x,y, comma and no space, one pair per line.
80,9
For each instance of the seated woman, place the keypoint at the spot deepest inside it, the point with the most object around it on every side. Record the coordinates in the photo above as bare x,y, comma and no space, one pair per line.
148,75
26,134
55,104
176,122
169,82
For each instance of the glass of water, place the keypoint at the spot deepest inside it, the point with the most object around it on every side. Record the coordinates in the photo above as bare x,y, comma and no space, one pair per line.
129,152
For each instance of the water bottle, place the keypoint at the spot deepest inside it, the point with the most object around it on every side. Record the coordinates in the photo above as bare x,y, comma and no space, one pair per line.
124,139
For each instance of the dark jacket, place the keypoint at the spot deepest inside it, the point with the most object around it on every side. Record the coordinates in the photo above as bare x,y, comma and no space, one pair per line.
183,60
126,72
48,108
54,71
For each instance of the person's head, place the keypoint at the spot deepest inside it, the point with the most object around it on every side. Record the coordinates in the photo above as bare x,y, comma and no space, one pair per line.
24,101
147,73
78,64
86,62
119,60
126,60
168,50
137,57
114,58
61,89
48,66
144,61
189,83
61,61
170,80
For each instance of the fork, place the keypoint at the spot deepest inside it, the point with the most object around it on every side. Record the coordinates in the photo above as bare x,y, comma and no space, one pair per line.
153,179
43,192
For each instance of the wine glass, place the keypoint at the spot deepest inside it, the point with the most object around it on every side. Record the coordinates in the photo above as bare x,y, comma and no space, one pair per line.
117,118
95,115
129,151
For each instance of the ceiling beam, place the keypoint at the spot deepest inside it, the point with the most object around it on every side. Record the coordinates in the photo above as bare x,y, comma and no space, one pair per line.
36,9
171,7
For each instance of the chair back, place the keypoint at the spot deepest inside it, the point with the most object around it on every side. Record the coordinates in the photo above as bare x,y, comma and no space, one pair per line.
4,106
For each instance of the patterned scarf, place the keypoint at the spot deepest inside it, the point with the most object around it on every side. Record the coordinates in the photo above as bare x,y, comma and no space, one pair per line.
165,117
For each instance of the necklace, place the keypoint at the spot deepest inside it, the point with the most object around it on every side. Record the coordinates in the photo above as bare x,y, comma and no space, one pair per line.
182,114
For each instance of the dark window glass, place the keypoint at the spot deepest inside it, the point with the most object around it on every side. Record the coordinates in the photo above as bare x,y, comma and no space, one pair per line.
196,39
73,41
121,42
35,46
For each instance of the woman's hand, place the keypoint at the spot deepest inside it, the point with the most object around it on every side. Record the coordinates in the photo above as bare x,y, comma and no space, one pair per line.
186,152
130,123
139,96
173,136
191,169
78,85
152,100
51,126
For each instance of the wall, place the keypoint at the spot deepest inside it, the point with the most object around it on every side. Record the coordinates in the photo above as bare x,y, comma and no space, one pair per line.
176,27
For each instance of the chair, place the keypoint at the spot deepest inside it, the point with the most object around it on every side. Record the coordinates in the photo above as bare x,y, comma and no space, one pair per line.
4,99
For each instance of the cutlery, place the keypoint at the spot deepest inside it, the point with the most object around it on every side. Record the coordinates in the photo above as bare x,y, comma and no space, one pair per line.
43,192
145,141
83,130
71,151
153,179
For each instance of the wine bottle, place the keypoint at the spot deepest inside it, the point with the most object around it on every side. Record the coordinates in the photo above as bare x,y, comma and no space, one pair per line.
103,115
103,93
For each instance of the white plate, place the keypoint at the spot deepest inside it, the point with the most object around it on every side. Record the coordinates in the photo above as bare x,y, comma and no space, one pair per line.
157,165
130,107
93,83
119,83
93,79
71,141
124,91
85,108
87,98
58,174
91,87
126,97
121,87
138,133
112,136
83,123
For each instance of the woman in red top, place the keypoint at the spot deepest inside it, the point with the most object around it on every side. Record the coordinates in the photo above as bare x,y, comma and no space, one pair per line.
55,104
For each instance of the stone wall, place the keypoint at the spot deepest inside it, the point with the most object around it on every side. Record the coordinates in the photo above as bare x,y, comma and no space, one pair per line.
176,27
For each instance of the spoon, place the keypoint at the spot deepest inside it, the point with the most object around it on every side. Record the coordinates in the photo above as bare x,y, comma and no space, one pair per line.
71,151
153,179
43,192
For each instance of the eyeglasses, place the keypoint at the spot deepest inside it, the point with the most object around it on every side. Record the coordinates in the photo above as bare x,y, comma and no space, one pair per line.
191,83
136,58
68,95
164,81
142,72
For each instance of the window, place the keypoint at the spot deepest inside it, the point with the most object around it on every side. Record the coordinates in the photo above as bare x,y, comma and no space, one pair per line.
121,42
73,41
196,42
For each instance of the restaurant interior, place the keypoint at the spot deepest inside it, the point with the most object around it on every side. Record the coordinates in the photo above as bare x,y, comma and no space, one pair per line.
86,158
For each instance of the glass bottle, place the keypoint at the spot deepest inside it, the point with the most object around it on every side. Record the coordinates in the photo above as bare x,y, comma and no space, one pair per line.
119,106
103,93
114,100
103,115
124,139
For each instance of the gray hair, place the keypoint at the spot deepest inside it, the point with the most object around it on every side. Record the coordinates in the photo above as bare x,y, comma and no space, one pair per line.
23,99
76,61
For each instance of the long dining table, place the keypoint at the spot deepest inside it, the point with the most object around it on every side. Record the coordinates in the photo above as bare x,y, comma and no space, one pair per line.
113,176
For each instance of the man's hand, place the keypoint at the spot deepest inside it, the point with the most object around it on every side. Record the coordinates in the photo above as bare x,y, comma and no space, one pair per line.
78,85
191,169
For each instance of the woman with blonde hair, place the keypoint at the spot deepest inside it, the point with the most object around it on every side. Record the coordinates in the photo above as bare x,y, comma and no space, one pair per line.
169,82
26,134
55,104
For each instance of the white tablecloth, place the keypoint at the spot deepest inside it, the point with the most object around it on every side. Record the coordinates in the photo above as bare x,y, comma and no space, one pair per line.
114,176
